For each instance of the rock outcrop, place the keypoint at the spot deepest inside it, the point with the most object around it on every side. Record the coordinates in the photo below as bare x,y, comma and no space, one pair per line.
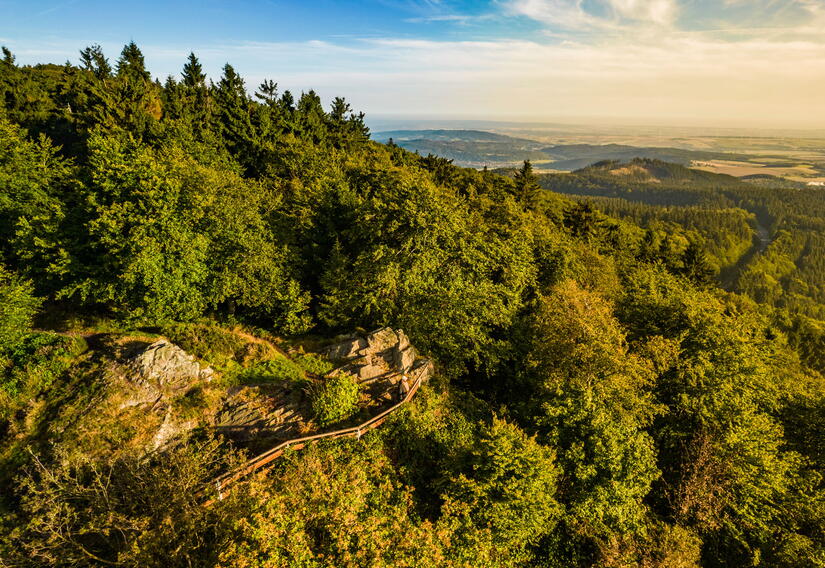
164,366
379,353
261,410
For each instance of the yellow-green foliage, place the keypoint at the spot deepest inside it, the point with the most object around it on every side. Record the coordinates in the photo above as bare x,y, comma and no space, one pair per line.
598,403
333,399
209,342
278,369
30,368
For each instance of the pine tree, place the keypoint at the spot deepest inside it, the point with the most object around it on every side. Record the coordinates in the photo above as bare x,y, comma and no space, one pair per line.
527,187
92,59
695,264
233,113
268,93
288,101
193,75
583,220
8,57
131,64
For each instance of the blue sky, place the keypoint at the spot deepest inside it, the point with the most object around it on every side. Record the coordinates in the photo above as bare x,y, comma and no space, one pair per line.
691,62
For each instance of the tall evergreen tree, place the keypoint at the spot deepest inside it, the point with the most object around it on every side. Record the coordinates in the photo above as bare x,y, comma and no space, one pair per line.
268,92
193,75
92,59
233,114
131,64
8,56
527,187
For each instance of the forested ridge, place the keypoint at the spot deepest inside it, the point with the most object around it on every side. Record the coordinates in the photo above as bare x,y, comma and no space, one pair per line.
765,241
599,400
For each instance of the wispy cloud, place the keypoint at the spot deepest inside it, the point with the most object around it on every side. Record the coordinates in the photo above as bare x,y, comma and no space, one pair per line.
706,61
598,14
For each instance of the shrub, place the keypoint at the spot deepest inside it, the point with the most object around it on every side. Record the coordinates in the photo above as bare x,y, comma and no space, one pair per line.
17,309
34,363
334,399
206,341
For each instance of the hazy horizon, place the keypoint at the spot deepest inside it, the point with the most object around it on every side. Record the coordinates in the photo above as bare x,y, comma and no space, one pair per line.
758,64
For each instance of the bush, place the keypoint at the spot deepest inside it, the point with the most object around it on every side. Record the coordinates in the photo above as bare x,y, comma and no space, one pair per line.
17,309
334,399
206,341
34,363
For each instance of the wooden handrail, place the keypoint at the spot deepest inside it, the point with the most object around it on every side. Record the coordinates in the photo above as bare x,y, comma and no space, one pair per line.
222,482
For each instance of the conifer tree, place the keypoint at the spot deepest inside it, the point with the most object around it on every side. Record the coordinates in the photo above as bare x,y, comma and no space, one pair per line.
527,188
131,64
268,92
193,75
8,57
288,101
92,59
233,113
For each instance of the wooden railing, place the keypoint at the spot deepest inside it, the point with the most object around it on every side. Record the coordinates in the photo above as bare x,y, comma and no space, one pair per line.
222,483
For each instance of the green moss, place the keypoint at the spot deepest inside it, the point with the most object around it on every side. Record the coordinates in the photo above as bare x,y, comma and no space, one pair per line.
314,363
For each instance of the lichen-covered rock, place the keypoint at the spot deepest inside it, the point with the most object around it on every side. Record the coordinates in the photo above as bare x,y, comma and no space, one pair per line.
346,349
165,366
171,431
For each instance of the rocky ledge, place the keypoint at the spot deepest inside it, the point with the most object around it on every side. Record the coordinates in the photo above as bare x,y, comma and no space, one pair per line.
380,353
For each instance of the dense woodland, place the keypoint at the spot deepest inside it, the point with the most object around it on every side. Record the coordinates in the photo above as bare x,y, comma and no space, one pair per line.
600,401
764,241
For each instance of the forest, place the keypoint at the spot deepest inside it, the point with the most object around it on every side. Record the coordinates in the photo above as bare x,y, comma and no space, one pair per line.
764,241
599,399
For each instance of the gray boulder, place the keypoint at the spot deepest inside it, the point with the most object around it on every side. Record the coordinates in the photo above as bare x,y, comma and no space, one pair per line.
164,366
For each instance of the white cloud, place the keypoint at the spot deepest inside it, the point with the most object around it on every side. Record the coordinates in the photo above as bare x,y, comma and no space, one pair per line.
657,11
595,14
641,62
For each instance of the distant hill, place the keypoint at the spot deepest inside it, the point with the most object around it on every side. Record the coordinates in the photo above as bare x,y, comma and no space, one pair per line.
451,135
576,156
477,148
469,148
656,171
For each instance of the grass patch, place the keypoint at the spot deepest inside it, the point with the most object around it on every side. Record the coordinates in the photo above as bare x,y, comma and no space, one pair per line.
272,371
191,404
314,363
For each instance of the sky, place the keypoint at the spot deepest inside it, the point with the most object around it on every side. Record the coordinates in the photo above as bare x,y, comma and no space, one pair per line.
726,63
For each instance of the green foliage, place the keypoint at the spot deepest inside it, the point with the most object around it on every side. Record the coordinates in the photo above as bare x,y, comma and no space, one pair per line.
206,341
32,365
275,370
335,505
313,363
81,512
17,309
333,399
648,419
507,495
720,446
591,393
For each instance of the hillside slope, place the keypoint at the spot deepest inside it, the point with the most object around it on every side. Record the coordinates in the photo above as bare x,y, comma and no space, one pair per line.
597,400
